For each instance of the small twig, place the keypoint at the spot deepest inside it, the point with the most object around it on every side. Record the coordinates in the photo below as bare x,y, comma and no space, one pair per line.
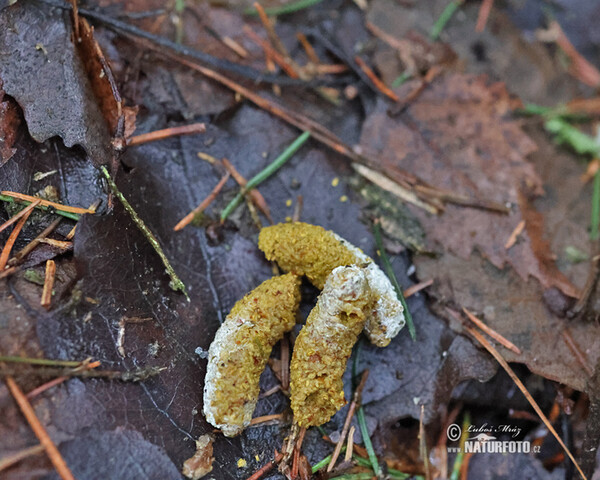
484,13
40,432
423,444
179,49
185,221
255,196
266,418
137,375
12,238
46,300
34,243
580,67
492,333
228,42
417,287
456,198
298,208
579,355
392,276
19,215
401,191
166,133
271,33
297,451
63,245
46,386
284,347
175,283
266,173
308,48
514,235
267,467
271,52
503,363
288,448
43,361
270,391
349,416
11,459
382,87
57,381
350,444
464,468
45,203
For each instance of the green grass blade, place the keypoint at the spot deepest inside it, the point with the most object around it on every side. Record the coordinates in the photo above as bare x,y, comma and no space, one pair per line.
265,173
594,234
392,276
444,18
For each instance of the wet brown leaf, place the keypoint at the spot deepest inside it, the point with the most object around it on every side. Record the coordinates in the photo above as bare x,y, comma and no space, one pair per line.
457,135
9,124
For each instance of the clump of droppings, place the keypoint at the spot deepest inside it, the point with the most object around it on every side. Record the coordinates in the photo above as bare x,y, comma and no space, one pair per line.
324,345
312,251
241,348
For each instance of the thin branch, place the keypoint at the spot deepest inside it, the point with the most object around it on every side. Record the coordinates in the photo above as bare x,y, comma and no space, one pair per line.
267,467
175,283
382,87
13,237
167,133
417,287
46,203
349,416
40,432
46,300
19,215
492,333
203,205
34,243
504,364
266,173
484,13
13,458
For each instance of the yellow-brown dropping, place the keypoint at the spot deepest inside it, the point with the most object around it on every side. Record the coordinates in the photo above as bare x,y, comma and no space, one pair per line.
324,345
306,249
241,348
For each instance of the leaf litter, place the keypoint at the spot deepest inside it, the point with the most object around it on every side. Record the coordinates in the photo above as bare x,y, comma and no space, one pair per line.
118,275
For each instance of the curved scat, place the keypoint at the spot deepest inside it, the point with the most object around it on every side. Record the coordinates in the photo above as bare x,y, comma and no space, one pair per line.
241,348
312,251
324,345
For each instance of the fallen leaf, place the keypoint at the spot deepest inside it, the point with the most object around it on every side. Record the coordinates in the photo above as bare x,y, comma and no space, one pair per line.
43,59
457,135
200,464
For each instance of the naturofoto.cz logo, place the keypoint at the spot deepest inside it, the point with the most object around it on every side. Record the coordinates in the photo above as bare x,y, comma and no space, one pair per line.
483,439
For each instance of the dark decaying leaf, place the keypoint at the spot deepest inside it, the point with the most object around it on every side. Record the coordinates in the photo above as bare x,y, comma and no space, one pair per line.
44,74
